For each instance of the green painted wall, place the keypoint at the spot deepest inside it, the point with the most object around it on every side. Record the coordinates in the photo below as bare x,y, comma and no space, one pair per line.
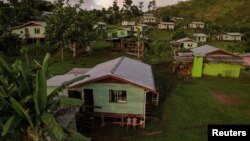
224,70
118,33
31,30
135,98
197,66
122,33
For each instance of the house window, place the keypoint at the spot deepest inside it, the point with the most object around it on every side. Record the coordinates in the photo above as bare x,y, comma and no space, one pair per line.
190,44
75,94
37,30
117,96
21,32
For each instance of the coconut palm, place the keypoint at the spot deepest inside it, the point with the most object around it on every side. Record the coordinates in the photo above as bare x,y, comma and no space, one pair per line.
28,107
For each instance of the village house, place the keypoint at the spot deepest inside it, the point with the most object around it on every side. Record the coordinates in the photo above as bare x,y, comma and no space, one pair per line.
118,33
100,26
124,40
141,27
208,60
246,59
230,36
119,88
128,23
176,19
200,37
32,31
148,18
166,26
186,43
197,25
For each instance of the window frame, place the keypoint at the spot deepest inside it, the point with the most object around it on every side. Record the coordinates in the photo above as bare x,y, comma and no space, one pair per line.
37,31
118,97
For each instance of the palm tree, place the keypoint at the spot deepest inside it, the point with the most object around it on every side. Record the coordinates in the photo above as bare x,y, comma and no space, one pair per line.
30,107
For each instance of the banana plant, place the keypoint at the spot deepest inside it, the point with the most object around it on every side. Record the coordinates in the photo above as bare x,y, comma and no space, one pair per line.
30,107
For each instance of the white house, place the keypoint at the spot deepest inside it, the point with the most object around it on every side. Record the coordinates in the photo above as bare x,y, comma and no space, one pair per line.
200,37
186,43
197,25
166,26
148,18
230,36
128,23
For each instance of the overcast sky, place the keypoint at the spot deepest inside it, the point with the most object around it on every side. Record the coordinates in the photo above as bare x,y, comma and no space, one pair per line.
98,4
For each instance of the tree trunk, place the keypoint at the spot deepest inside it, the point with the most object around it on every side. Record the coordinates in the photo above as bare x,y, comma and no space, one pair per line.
27,59
62,53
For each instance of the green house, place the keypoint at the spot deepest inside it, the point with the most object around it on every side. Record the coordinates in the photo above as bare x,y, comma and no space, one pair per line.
216,62
30,31
118,33
117,89
209,61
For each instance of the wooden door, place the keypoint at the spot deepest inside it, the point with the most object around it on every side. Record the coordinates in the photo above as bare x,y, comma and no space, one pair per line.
88,100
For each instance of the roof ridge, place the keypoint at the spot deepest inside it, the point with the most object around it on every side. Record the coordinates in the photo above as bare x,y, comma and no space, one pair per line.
116,66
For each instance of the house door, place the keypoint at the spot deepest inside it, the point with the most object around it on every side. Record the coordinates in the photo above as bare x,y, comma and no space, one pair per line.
26,33
88,100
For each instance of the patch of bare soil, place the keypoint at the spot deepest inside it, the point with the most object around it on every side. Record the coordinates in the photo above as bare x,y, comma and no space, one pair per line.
226,99
248,112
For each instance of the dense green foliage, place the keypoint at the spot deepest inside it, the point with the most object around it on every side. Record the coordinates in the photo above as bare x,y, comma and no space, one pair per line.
27,110
10,43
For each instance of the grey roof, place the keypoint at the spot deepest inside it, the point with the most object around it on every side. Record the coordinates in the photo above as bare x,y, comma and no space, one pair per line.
199,35
205,49
197,23
185,39
124,68
101,23
78,70
234,34
30,22
167,23
245,55
60,79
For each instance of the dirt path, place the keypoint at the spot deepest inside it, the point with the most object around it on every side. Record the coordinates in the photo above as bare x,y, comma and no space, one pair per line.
227,99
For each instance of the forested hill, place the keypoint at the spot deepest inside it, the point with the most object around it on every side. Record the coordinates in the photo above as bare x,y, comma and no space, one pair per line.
221,12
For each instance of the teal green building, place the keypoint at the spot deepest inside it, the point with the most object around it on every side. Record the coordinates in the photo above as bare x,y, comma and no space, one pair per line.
119,88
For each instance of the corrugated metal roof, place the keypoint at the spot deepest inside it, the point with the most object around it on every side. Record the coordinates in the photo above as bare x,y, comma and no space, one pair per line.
199,35
205,49
167,23
78,70
125,68
60,79
197,23
30,22
245,55
234,34
185,39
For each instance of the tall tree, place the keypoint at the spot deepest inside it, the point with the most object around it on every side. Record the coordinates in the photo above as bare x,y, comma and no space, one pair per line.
149,5
127,4
69,25
153,4
141,5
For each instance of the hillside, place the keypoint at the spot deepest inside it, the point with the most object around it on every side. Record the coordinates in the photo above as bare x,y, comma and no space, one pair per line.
219,11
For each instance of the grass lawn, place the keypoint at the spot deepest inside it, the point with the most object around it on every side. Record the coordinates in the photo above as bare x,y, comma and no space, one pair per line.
186,108
235,47
160,35
59,67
